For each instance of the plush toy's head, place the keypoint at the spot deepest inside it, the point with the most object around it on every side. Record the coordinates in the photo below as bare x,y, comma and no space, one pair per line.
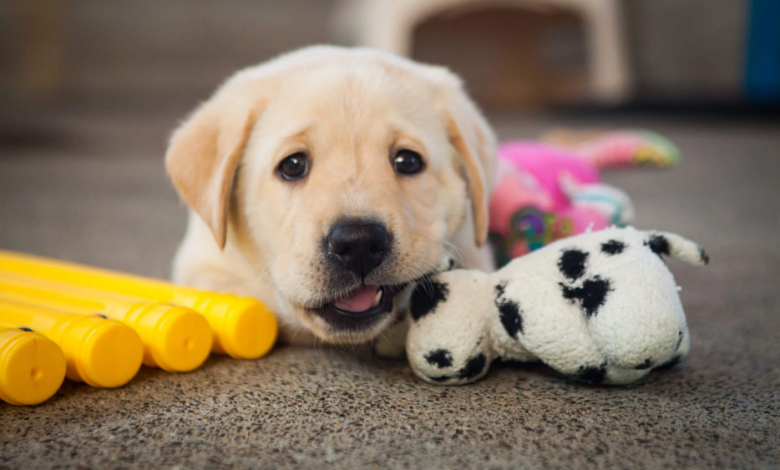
601,307
449,342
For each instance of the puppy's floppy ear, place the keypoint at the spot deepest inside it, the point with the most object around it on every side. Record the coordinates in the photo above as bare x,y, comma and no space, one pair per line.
473,139
204,152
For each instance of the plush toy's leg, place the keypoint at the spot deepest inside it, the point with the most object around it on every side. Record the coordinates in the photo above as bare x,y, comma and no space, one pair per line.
617,375
645,330
556,333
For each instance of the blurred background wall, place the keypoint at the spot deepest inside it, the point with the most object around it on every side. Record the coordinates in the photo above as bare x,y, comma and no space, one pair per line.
91,89
145,52
172,53
693,48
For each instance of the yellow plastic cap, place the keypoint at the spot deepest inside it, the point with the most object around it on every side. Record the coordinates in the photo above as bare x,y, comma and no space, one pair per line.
109,355
246,328
182,340
32,367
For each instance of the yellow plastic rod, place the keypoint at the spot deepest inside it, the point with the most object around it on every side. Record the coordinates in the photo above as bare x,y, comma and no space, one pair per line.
32,367
176,339
242,327
103,353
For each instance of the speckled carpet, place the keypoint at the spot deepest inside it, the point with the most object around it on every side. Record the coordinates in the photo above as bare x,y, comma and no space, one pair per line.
93,190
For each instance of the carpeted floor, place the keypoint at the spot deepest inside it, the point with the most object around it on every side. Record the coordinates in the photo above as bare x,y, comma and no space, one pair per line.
92,189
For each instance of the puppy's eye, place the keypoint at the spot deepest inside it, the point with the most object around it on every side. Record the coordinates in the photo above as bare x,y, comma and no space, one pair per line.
408,162
294,167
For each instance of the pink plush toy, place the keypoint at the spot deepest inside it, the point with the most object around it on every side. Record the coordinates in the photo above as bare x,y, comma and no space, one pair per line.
544,193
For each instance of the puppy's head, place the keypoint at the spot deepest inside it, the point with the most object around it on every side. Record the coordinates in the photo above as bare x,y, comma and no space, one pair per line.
339,175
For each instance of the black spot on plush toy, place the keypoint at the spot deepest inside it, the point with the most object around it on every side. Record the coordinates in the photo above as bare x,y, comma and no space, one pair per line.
426,297
600,307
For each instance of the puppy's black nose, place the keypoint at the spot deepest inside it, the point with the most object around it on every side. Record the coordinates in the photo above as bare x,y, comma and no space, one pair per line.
360,247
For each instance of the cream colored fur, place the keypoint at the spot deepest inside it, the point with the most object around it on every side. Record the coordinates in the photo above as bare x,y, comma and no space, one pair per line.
252,234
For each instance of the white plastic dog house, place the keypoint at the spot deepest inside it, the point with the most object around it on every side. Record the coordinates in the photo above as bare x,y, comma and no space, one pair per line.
389,25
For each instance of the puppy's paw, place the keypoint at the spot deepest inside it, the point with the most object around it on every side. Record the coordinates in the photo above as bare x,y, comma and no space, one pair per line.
392,343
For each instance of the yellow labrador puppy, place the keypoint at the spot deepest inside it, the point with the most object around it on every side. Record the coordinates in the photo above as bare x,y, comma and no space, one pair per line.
326,180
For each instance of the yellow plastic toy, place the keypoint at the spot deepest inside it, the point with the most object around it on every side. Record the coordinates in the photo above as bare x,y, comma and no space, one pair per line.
103,353
242,327
32,367
175,339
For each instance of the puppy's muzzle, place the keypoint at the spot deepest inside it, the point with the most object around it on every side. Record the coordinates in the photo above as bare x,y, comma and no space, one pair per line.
363,294
359,247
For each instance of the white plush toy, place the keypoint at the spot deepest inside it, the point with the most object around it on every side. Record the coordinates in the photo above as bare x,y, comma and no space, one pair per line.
600,307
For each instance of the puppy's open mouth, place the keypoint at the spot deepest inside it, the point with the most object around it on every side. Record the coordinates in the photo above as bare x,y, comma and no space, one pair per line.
361,308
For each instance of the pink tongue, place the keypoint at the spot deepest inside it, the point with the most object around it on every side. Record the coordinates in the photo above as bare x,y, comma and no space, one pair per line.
359,299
